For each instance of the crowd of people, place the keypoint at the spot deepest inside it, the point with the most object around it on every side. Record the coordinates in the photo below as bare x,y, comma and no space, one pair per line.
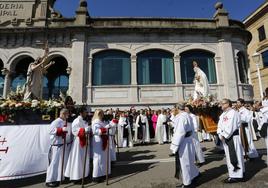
79,137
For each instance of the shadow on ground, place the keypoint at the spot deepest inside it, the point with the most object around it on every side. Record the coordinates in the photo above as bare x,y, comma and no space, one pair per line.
23,182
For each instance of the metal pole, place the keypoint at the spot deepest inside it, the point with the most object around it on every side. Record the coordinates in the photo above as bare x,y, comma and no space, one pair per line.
107,159
85,161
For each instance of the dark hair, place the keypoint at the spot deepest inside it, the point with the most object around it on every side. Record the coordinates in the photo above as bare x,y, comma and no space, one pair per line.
82,109
242,101
190,108
67,99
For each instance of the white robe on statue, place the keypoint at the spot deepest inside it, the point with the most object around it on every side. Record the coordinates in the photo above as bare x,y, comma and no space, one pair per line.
160,132
246,117
56,150
201,85
75,165
197,145
184,146
99,155
230,122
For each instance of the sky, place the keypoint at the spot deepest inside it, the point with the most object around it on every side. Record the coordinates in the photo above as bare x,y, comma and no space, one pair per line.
238,9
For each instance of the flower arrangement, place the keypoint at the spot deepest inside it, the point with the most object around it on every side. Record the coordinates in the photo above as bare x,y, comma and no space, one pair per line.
14,109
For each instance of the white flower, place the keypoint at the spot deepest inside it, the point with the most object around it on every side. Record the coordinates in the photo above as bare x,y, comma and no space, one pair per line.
35,103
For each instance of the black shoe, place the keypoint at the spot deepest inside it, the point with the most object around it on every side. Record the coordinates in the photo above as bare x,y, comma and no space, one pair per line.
232,180
252,159
78,182
184,186
172,155
198,176
53,184
97,180
199,164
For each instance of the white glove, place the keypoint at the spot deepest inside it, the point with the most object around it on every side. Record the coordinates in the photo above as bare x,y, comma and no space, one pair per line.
65,129
87,129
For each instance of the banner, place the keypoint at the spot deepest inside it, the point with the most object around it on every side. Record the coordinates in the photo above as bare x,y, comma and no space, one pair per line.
23,151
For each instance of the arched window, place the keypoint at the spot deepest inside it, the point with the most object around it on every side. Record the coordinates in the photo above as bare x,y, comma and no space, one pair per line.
61,85
242,68
205,61
20,75
56,79
2,78
111,67
45,88
155,67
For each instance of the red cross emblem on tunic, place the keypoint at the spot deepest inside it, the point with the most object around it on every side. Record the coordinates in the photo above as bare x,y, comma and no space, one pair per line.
3,142
225,119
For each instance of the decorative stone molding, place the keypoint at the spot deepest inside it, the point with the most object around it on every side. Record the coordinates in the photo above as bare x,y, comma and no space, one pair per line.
5,71
14,22
69,70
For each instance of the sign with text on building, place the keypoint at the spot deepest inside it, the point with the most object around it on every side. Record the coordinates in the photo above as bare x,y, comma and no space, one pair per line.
20,9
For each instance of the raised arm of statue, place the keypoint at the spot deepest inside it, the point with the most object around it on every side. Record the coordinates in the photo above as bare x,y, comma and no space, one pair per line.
49,65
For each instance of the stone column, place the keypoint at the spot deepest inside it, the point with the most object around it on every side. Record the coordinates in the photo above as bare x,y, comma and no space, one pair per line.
177,69
220,76
77,87
7,83
134,86
228,69
89,84
237,70
134,70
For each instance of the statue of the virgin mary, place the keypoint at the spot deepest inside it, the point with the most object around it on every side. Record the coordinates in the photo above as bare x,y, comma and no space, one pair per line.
201,83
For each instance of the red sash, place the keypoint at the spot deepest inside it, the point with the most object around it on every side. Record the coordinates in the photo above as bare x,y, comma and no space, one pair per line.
82,137
60,131
104,138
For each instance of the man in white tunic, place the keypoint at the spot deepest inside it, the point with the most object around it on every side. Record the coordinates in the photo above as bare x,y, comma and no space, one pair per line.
124,131
201,82
197,146
263,126
228,131
58,131
75,165
182,146
161,133
100,147
142,128
246,118
112,130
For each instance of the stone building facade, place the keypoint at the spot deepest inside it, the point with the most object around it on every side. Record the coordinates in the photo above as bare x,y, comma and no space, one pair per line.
122,61
257,24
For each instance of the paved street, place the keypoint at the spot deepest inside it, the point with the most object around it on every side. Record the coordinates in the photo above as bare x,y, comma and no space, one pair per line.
151,167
